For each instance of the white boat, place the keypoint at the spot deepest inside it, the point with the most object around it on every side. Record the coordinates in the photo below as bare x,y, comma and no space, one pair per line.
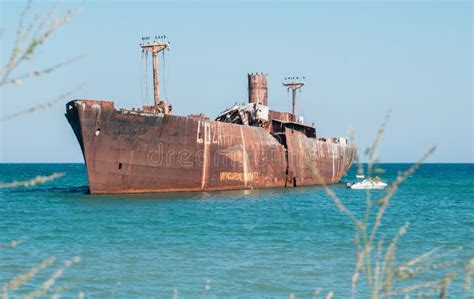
368,184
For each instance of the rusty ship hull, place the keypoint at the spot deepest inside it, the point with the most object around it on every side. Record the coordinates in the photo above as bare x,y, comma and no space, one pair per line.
247,146
135,151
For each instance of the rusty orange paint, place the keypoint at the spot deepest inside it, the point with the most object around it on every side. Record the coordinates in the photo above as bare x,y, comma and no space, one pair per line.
135,151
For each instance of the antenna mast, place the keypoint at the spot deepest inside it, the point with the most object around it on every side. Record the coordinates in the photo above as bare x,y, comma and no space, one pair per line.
154,48
293,83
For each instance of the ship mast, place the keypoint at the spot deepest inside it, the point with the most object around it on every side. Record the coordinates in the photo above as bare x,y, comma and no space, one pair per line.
154,48
293,83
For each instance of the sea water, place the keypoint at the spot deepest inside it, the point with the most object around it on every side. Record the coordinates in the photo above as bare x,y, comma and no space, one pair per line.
254,243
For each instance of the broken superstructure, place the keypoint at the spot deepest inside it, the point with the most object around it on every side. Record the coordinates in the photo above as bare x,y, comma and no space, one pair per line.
246,146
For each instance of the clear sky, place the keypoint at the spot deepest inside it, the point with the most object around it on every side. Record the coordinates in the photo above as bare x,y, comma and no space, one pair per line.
359,59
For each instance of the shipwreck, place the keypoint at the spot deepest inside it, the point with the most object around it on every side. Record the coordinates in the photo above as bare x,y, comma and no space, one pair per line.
247,146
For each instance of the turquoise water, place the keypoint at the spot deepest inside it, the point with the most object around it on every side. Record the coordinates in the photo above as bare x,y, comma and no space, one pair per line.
244,243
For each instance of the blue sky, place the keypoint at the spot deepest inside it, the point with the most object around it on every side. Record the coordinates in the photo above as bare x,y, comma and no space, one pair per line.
359,60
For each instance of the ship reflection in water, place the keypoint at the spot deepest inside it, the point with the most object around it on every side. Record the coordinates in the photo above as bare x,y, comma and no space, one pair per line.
247,146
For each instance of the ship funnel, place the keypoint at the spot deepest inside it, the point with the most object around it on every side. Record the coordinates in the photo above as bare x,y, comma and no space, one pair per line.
258,91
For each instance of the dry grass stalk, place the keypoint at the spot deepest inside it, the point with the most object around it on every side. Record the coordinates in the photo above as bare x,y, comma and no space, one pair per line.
403,273
316,293
382,276
43,106
355,276
378,266
330,295
11,244
392,189
36,73
468,276
430,286
59,290
387,267
27,40
46,286
444,284
372,157
421,258
18,281
360,167
372,152
30,37
37,180
425,262
359,224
